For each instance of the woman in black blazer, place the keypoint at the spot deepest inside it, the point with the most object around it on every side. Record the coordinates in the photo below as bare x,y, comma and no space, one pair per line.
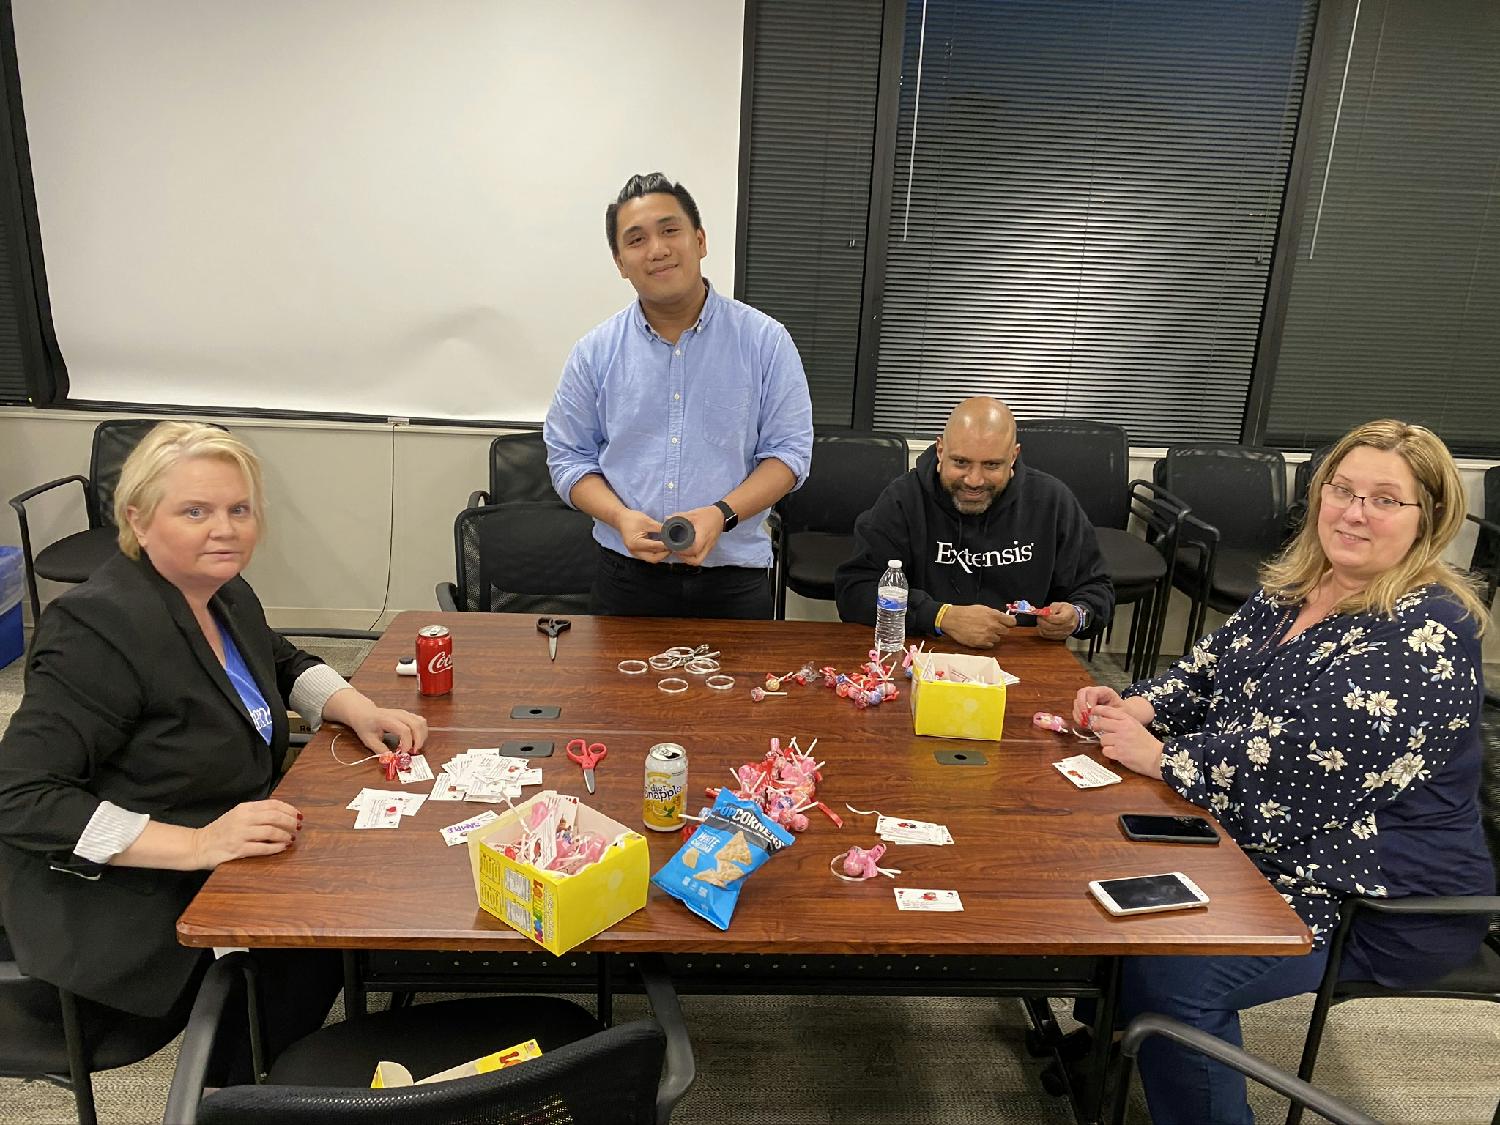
151,732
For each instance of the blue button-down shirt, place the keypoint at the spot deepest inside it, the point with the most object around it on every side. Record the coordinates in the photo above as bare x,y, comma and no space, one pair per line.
673,427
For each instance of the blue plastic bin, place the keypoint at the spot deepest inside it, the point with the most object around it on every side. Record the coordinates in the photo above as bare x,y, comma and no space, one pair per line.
12,579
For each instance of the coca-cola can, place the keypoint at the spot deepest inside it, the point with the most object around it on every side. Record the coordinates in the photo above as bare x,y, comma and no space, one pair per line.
434,660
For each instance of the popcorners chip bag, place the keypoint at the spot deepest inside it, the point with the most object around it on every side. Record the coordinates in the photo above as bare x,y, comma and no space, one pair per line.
735,838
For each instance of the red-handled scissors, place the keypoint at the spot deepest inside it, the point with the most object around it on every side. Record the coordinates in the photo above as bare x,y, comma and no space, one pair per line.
587,755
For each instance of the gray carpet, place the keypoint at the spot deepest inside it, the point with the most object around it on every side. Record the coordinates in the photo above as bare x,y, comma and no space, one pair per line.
768,1060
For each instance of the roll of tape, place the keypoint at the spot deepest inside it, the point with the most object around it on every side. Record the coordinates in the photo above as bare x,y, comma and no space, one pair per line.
678,533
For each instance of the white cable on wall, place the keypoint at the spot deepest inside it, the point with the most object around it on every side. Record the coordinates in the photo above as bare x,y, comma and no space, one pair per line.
370,206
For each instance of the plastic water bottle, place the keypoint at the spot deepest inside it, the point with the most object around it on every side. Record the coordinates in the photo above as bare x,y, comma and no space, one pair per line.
890,611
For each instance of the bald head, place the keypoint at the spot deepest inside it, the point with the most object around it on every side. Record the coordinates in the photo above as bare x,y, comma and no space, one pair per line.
976,455
980,418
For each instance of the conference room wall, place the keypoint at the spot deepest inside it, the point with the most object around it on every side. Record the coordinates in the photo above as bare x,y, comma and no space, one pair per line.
354,507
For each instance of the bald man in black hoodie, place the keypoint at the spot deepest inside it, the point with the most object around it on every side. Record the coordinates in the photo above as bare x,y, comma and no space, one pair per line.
976,530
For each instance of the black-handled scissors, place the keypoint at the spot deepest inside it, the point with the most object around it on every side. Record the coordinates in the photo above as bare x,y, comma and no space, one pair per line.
552,626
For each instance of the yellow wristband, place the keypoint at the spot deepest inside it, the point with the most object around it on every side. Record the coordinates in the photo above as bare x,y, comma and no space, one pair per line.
937,622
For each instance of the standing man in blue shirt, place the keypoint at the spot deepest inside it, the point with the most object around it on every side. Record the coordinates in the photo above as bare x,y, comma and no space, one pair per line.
684,403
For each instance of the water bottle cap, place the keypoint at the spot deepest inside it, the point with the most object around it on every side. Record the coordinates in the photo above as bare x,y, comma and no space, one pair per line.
894,564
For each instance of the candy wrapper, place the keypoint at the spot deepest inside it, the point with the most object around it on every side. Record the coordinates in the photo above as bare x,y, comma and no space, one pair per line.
735,838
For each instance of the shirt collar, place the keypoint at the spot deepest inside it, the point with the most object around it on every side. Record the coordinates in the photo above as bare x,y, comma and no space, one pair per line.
710,303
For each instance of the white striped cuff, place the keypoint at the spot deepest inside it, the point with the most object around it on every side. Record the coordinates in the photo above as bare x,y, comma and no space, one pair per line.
312,691
109,832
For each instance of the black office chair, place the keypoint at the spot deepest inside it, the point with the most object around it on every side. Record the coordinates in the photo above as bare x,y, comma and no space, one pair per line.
1478,980
1237,497
74,557
1093,460
632,1074
1144,1026
1485,563
814,526
1302,477
518,471
527,556
43,1036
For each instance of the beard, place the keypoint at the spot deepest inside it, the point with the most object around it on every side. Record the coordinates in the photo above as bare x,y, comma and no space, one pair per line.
971,507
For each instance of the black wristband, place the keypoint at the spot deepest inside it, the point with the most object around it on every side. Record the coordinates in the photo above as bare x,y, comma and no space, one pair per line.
731,517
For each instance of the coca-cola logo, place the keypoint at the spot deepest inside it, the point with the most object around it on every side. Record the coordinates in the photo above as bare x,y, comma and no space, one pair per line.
440,662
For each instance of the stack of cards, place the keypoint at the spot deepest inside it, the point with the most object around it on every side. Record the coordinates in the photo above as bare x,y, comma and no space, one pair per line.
895,830
381,808
483,775
1084,772
914,898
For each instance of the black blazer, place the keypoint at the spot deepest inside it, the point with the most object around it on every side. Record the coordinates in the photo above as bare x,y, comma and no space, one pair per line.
125,701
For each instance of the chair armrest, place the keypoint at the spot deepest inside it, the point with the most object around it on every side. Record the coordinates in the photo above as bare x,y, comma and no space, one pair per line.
20,498
1288,1085
1419,904
1492,575
478,498
204,1022
447,597
680,1068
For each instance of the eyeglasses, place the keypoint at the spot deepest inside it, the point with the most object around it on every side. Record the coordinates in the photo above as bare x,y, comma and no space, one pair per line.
1337,496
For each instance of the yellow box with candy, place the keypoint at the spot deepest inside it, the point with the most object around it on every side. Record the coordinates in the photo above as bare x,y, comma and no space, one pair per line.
954,695
555,910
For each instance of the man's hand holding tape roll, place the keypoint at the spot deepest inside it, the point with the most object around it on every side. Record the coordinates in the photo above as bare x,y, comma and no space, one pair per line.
708,525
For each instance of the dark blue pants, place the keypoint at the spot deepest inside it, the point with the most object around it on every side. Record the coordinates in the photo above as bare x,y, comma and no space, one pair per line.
1183,1086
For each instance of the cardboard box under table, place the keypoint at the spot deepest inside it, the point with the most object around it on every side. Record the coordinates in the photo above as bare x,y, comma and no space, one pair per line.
966,701
559,911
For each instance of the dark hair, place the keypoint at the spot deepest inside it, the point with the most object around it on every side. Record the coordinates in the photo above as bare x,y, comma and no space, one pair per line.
651,183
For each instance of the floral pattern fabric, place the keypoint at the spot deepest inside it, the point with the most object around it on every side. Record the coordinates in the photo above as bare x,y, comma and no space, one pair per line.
1296,747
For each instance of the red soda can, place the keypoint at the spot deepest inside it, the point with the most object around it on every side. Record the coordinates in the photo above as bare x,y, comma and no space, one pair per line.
434,660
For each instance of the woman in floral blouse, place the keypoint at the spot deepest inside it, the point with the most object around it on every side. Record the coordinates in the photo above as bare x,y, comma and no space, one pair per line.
1332,726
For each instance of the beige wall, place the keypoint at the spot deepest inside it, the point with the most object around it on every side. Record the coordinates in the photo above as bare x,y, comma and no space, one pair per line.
333,488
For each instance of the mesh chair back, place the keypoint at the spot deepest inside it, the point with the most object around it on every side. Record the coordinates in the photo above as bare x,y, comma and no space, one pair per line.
1091,458
1239,489
607,1079
518,469
849,472
527,556
1487,546
113,443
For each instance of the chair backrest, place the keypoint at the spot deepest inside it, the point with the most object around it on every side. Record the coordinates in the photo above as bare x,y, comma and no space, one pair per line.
113,443
527,556
1239,489
518,469
849,472
1302,477
1091,458
607,1079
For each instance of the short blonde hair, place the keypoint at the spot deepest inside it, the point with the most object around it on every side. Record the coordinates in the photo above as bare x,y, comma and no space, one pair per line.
161,450
1292,577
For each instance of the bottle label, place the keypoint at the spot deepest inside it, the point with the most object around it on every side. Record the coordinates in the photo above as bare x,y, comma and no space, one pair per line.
892,598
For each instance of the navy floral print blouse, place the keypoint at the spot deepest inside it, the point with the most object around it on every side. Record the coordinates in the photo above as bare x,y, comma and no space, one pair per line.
1308,751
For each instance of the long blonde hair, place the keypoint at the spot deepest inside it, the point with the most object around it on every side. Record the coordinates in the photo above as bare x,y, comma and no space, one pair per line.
1295,574
164,447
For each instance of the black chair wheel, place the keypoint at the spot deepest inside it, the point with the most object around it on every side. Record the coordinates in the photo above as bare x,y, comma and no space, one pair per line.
1054,1081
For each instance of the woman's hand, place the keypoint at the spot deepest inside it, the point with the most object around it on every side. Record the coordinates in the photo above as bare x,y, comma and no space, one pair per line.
1095,695
253,828
1125,739
371,723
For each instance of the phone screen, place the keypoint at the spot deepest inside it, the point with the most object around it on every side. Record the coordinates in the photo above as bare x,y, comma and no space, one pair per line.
1148,890
1175,827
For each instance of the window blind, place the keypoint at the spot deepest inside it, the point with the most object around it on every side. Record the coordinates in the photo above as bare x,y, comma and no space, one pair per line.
812,124
1394,306
1085,200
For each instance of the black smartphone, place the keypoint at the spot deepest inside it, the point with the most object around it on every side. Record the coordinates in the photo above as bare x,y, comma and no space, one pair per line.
1172,829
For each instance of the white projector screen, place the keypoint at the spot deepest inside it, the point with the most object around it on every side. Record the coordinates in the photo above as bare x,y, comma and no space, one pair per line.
384,207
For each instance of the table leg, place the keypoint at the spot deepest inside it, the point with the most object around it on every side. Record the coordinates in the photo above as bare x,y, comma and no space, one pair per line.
354,989
606,991
1089,1102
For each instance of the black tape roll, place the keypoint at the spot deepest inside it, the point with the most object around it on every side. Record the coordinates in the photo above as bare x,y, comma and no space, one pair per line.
678,533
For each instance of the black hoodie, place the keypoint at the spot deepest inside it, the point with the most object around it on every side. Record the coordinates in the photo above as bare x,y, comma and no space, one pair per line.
1033,542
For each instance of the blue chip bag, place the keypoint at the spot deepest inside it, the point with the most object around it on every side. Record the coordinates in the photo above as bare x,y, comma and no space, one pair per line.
707,872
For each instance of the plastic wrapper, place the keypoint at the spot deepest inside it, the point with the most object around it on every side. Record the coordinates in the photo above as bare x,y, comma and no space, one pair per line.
735,838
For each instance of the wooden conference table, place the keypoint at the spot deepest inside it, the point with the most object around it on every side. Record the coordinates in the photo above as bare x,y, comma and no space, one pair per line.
1026,841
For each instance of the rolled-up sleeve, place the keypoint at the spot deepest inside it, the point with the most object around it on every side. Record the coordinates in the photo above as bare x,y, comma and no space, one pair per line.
573,431
786,427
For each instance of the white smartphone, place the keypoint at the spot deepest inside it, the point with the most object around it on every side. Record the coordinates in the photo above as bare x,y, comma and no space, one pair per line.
1144,894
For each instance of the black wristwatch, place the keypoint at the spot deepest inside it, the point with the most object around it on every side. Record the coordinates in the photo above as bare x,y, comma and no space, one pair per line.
731,518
